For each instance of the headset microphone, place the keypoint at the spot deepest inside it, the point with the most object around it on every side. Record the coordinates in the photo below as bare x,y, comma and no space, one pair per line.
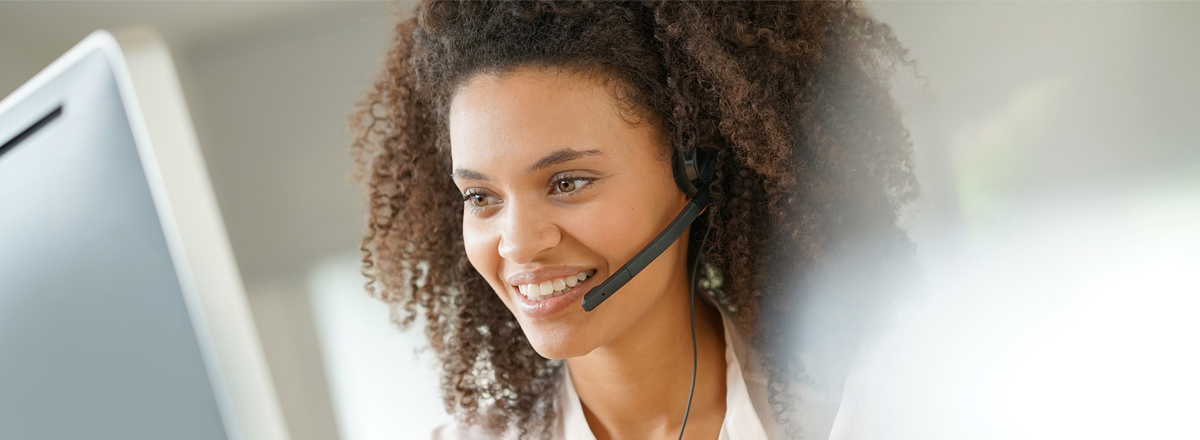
693,173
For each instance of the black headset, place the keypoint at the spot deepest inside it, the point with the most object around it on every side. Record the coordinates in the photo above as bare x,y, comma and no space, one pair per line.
693,173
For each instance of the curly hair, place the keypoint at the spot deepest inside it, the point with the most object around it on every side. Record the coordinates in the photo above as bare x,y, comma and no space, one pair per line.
791,99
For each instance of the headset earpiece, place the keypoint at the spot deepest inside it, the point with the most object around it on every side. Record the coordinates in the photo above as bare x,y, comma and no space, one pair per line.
693,170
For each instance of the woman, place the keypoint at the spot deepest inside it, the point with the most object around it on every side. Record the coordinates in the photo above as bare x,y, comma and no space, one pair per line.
515,155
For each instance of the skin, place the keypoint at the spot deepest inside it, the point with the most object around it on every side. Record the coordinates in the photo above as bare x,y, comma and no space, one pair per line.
630,358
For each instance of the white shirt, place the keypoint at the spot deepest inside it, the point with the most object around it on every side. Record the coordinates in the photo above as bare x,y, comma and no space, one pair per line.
747,412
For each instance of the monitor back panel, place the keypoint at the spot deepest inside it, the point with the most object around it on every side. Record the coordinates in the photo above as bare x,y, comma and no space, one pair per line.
95,336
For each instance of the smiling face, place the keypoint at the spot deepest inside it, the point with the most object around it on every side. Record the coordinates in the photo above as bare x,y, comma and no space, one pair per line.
560,187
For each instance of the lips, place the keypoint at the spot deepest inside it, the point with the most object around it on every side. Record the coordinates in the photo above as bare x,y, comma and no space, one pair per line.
553,287
544,306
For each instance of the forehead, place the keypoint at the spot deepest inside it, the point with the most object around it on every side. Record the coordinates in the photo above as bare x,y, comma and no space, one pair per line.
529,112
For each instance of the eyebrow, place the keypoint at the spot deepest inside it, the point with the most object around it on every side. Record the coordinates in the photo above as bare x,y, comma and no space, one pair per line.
561,156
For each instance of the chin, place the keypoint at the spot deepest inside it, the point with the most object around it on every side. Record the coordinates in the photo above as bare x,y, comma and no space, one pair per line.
557,342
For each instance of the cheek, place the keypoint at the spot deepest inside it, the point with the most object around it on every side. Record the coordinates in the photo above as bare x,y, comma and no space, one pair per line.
614,230
481,248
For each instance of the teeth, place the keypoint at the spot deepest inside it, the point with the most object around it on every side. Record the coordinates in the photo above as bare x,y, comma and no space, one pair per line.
552,288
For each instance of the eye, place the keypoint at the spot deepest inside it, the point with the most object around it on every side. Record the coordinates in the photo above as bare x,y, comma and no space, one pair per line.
570,184
478,200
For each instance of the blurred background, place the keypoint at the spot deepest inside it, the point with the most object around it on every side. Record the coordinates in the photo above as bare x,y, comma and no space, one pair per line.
1058,145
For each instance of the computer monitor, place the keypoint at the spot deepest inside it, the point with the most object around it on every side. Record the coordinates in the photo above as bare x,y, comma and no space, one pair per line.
122,315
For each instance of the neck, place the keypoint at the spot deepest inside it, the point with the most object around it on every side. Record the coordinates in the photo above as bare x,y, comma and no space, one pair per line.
637,385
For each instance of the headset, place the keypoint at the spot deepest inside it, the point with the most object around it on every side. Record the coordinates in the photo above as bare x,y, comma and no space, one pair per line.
693,173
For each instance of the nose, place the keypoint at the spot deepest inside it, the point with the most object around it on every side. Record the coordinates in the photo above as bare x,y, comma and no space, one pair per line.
526,234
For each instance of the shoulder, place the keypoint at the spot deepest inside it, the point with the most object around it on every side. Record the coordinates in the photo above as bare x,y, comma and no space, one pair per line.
833,410
817,407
